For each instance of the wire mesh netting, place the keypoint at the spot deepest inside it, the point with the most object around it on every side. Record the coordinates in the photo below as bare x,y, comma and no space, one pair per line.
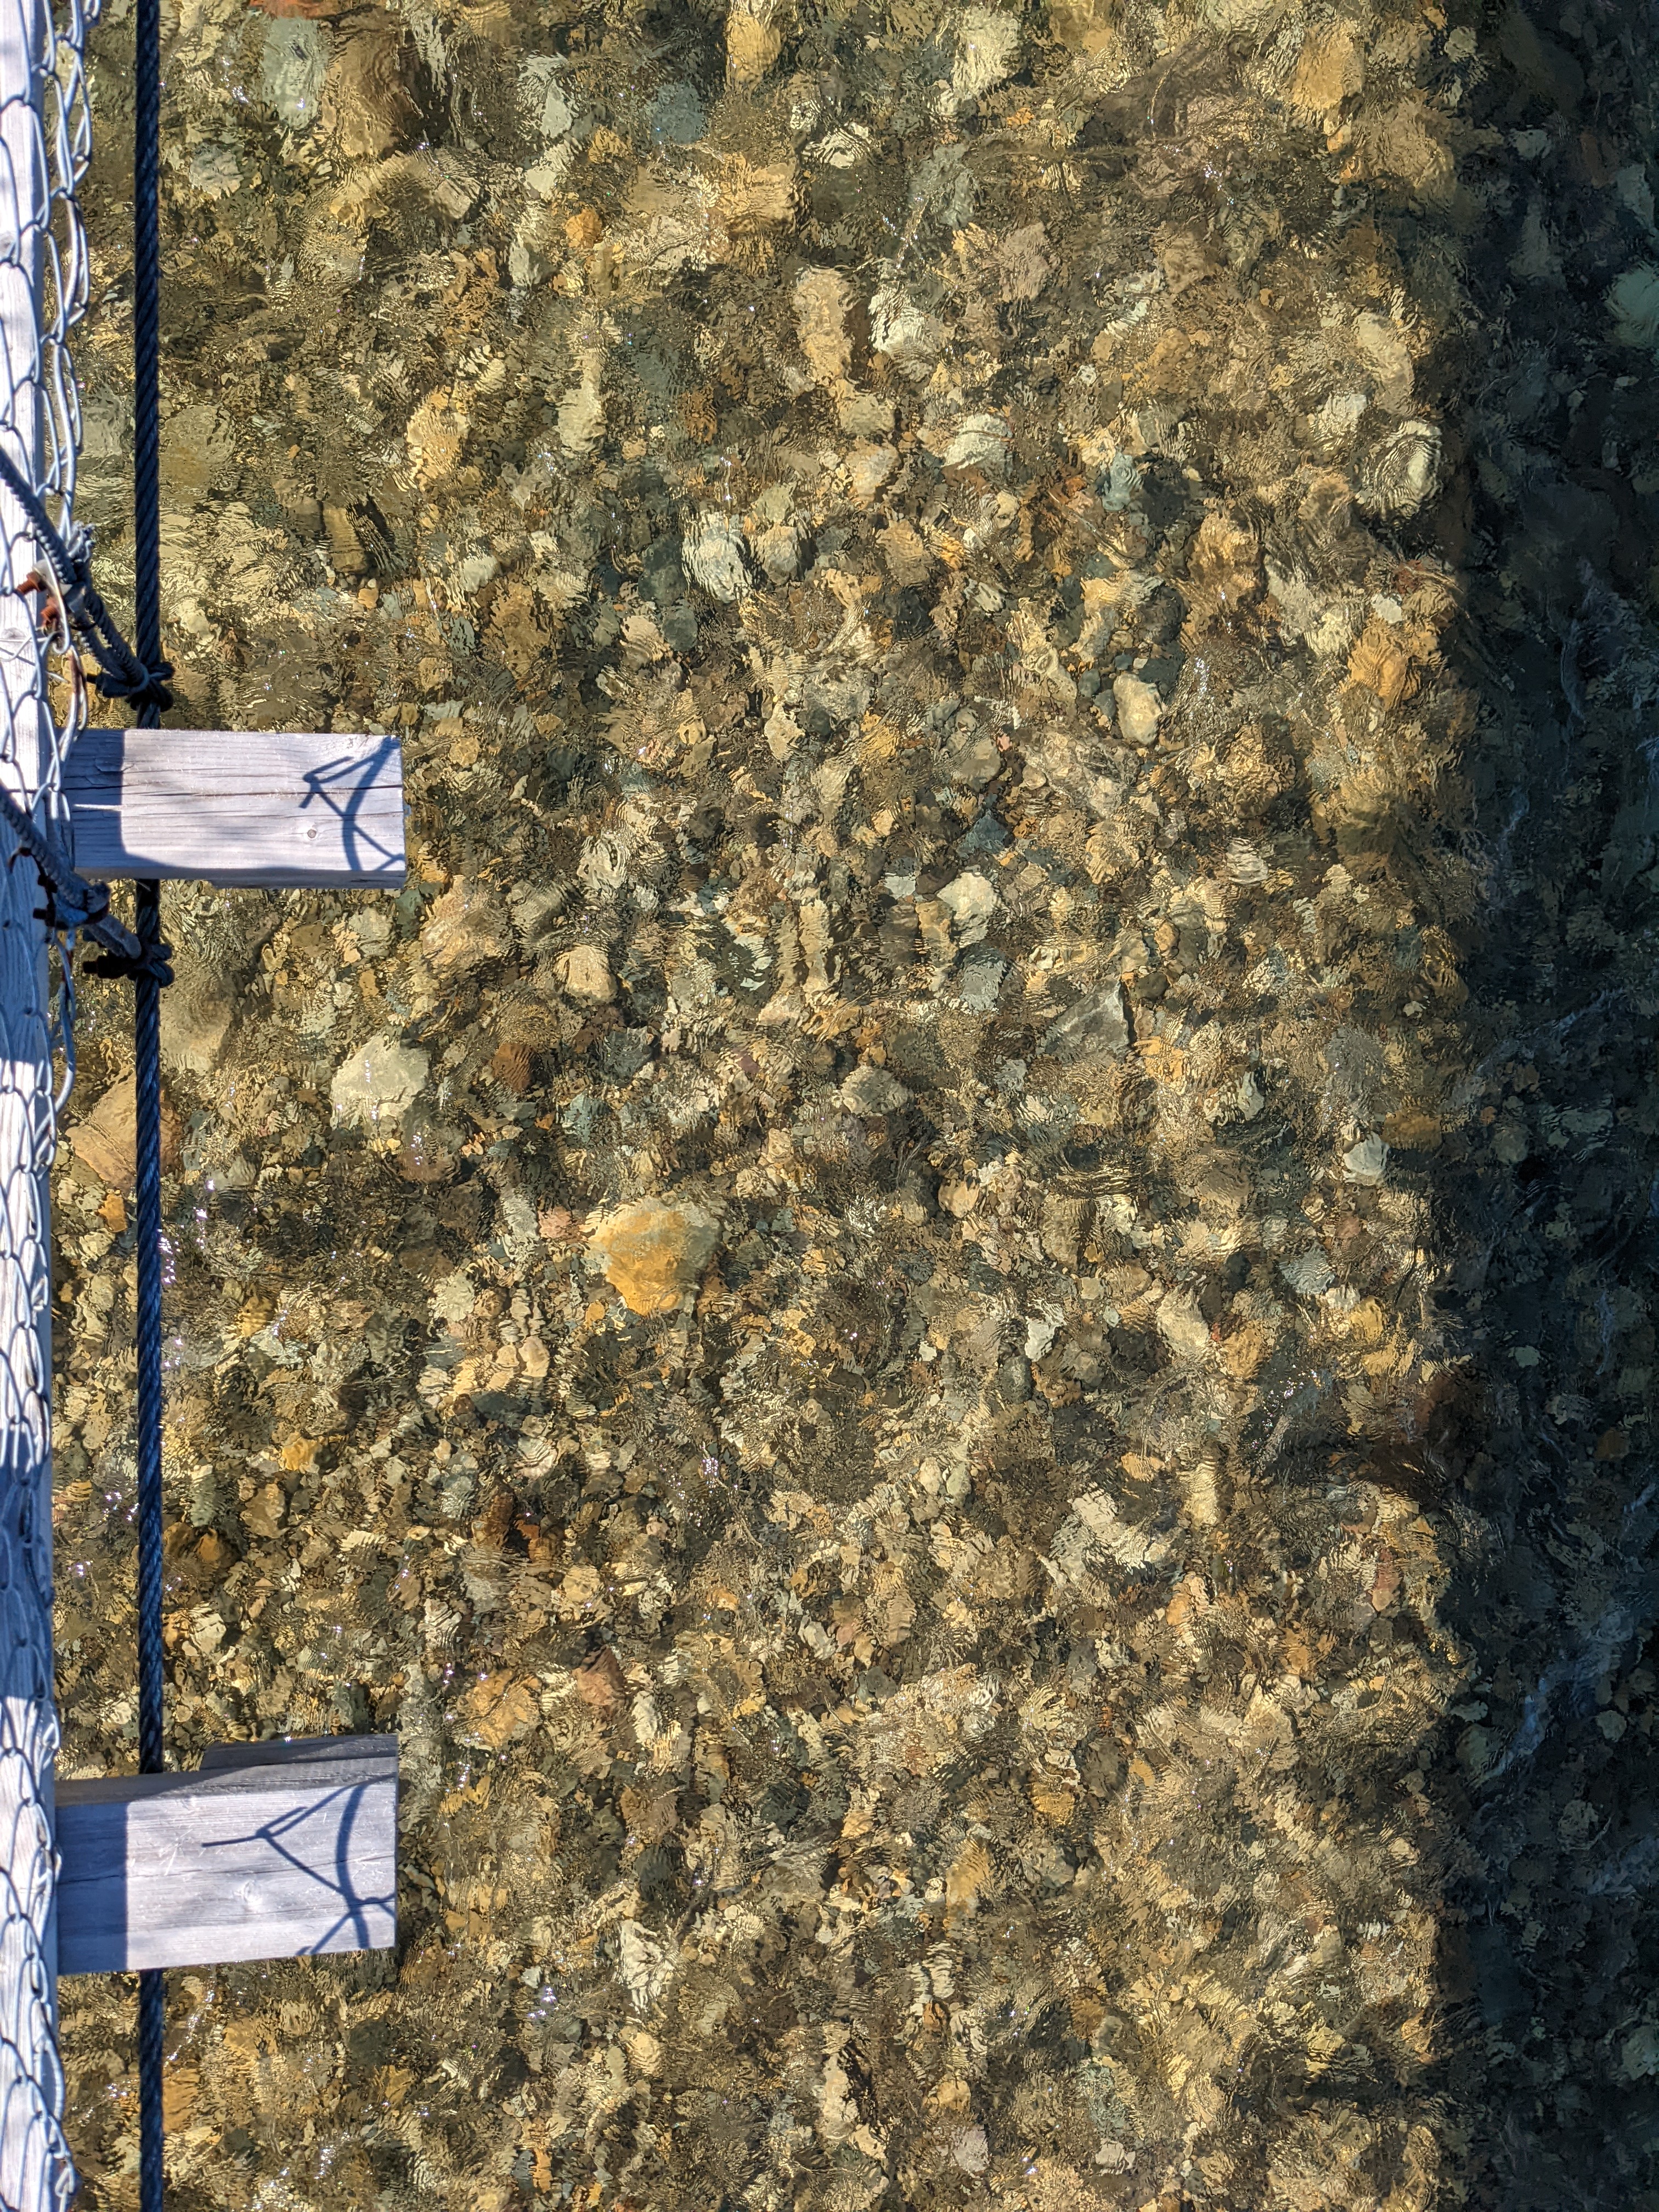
45,137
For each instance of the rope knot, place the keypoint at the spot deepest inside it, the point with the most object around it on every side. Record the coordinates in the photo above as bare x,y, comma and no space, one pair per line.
74,903
143,687
122,674
68,905
154,961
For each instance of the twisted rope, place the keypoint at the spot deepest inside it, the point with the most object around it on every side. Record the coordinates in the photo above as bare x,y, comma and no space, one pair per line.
73,903
147,1026
121,674
147,1019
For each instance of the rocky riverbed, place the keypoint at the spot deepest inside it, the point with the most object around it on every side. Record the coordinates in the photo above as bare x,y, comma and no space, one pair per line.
955,1314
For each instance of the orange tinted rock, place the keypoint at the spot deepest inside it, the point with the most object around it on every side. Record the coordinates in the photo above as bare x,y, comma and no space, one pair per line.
653,1254
599,1682
107,1140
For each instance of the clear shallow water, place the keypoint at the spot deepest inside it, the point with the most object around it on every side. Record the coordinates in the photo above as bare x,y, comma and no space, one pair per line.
972,1370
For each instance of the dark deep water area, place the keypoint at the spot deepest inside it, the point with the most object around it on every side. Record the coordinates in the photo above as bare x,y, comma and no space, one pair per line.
956,1314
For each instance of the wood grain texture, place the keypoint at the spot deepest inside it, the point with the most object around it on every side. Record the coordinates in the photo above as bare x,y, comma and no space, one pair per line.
290,1851
237,807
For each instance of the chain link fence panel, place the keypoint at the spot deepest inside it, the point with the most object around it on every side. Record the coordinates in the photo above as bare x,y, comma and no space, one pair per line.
44,140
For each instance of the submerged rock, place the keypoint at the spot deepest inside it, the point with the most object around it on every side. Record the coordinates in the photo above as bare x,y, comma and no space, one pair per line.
652,1253
375,1087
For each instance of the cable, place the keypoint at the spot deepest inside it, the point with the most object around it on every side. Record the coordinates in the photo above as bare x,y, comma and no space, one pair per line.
73,903
147,1019
122,675
147,1025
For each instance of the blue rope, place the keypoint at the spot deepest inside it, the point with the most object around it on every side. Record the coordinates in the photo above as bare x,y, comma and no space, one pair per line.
121,675
147,1019
73,903
147,1024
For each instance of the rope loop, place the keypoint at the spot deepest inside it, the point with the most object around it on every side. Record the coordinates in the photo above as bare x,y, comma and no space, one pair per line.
73,903
121,673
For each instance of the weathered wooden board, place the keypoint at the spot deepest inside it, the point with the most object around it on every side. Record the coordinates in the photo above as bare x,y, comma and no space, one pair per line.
237,807
268,1851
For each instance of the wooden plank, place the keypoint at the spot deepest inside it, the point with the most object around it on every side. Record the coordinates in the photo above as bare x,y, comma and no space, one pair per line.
282,1851
277,808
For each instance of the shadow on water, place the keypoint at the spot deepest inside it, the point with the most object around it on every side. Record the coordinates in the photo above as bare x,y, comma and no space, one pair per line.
1539,1425
1525,1437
